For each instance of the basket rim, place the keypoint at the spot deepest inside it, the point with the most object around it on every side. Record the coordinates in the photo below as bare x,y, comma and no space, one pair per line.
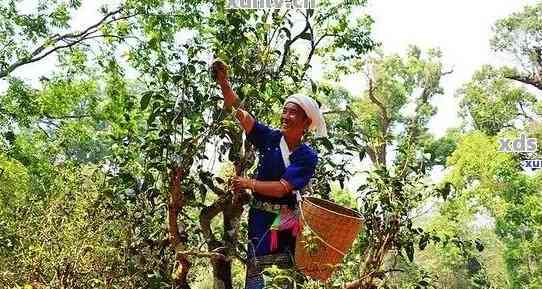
336,213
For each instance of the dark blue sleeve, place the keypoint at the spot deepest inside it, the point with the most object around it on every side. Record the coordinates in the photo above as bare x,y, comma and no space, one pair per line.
301,170
260,135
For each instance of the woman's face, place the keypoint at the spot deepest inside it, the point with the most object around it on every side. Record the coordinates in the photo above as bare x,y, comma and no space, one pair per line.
294,119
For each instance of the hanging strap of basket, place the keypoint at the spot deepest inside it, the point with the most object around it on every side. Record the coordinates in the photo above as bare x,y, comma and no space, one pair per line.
285,151
315,234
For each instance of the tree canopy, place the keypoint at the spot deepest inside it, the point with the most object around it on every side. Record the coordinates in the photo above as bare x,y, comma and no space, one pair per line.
115,169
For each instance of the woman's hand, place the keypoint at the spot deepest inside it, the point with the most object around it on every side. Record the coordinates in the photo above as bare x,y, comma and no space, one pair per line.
275,189
220,72
240,183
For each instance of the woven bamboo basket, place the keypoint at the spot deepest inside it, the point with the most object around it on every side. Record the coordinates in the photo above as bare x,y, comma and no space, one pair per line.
331,231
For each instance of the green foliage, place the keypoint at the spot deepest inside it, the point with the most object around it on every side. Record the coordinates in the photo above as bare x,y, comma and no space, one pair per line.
440,149
519,33
86,157
492,101
15,181
491,179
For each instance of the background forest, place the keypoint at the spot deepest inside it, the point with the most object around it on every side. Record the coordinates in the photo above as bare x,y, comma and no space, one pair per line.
114,167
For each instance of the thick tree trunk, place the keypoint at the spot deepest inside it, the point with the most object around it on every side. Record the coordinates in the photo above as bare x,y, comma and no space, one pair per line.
221,267
232,211
231,206
176,238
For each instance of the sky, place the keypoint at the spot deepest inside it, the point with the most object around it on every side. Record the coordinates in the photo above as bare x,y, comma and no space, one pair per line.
87,15
460,28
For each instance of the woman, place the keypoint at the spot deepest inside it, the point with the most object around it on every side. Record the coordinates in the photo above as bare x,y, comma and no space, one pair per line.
285,166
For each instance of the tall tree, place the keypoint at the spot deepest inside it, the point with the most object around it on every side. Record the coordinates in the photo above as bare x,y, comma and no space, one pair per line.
493,103
519,35
400,150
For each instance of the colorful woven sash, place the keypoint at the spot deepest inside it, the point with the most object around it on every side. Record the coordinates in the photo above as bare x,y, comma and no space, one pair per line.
285,219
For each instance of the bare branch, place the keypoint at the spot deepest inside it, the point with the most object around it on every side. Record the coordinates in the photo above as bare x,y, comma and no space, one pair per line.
385,121
175,204
322,38
289,43
212,255
94,26
313,46
527,80
70,39
384,112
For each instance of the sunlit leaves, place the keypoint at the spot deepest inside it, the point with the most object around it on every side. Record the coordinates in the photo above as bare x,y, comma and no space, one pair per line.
520,32
15,183
492,101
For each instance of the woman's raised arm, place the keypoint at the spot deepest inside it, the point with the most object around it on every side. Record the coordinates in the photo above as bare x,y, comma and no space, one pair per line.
220,71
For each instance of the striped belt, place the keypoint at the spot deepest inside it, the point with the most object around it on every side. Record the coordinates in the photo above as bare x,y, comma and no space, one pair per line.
265,206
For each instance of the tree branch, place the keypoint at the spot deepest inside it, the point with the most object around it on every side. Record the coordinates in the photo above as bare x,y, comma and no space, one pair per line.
175,204
70,39
212,255
313,46
288,44
380,152
413,128
526,80
384,112
207,214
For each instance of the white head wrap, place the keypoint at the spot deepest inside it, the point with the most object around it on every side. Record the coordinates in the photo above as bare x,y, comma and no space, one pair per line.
310,106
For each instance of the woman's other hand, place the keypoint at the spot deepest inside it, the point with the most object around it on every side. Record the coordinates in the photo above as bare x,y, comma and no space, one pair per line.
240,183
